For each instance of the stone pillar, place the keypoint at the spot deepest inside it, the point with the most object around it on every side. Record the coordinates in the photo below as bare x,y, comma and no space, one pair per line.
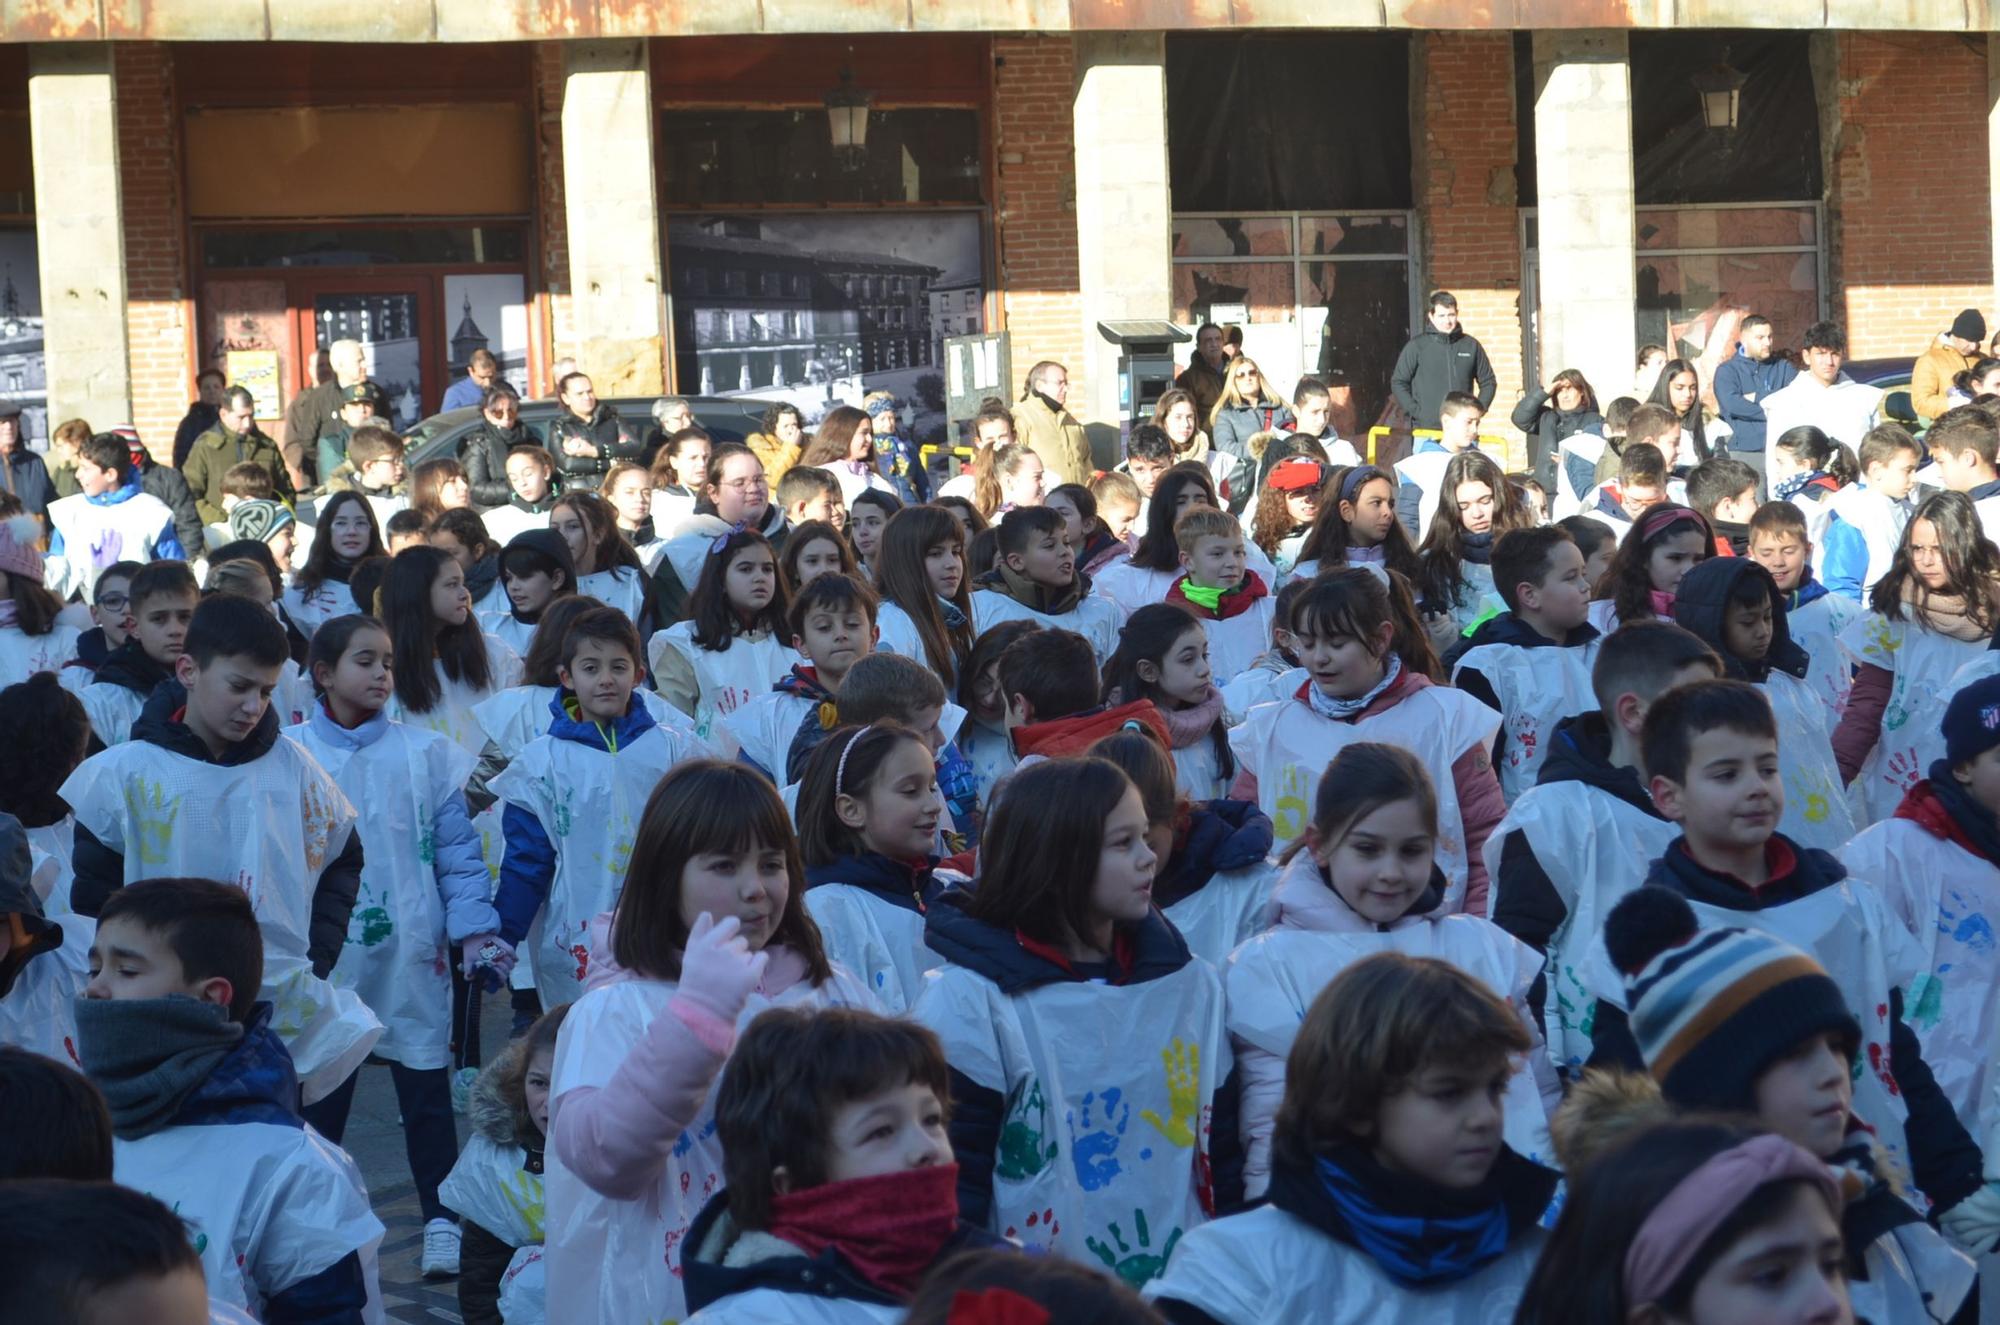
1583,162
1124,233
79,231
614,229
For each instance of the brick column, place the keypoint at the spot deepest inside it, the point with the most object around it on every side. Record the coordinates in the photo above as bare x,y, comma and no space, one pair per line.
1034,215
613,227
79,230
1466,148
1583,156
1124,239
1910,206
157,311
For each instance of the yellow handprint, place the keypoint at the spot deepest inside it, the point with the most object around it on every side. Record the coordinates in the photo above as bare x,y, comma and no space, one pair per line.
153,818
1183,1062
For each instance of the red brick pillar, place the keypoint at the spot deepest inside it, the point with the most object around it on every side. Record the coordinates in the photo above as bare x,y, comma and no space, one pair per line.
1035,212
158,306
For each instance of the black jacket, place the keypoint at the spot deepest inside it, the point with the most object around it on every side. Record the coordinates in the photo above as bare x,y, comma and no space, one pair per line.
483,452
1149,950
198,420
1432,366
23,474
828,1275
1220,836
1701,604
1546,427
168,486
1944,1159
100,868
614,439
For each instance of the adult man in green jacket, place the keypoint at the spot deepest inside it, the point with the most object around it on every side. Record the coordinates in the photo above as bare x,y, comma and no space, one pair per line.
233,440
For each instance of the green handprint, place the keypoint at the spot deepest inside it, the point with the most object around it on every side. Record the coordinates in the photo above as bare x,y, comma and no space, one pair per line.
375,925
152,816
1021,1154
559,799
199,1239
1134,1267
1183,1062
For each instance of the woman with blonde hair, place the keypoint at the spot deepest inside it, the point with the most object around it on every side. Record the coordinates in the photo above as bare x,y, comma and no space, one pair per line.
1247,407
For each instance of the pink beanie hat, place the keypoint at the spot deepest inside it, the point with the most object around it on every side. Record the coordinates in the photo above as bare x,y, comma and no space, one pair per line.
18,553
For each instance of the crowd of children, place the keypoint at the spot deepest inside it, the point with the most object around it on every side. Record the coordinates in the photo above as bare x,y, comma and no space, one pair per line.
1254,884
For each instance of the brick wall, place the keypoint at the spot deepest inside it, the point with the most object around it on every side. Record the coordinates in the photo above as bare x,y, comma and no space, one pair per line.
157,307
1910,215
1463,89
552,224
1035,212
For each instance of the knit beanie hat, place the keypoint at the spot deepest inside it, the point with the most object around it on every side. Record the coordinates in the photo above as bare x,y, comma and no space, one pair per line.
1972,721
18,553
1969,325
1711,1009
258,519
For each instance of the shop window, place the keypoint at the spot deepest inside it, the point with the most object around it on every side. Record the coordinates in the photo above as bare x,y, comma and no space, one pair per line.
783,156
361,246
1315,294
697,280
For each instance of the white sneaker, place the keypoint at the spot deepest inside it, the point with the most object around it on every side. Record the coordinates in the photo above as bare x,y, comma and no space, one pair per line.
440,1249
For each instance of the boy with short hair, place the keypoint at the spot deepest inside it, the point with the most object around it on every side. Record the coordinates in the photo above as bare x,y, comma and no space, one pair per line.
208,787
110,611
1866,526
1050,684
1038,580
1641,484
1531,663
1580,838
817,1112
1119,504
832,620
161,602
532,494
404,528
1218,588
1711,754
1737,609
1724,490
374,468
810,493
72,1252
1964,443
890,687
1815,617
1149,453
204,1104
573,798
111,518
1420,473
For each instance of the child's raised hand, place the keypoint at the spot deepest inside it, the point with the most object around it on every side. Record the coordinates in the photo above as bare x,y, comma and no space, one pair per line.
718,970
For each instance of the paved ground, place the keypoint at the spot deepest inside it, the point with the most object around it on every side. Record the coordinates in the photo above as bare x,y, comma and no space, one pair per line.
375,1139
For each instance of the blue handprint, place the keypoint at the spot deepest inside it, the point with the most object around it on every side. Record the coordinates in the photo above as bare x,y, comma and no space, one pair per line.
1095,1154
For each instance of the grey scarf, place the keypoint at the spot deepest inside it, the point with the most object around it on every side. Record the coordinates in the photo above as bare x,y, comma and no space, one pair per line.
149,1054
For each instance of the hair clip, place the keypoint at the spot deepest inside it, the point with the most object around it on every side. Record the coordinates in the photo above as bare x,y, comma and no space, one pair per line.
840,769
995,1306
722,539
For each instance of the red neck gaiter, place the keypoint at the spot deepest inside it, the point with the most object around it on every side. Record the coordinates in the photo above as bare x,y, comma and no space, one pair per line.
890,1227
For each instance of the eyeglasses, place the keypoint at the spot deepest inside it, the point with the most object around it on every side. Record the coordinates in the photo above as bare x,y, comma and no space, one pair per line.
113,602
747,484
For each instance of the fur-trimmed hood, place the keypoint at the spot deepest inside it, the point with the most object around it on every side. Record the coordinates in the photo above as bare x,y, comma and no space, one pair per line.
492,1114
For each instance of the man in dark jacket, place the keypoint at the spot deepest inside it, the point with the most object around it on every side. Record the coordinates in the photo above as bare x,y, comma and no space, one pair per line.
1742,384
233,441
23,472
202,413
316,410
1438,362
587,437
1202,378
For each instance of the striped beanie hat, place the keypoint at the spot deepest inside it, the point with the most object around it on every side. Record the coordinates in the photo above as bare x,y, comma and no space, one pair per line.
1712,1009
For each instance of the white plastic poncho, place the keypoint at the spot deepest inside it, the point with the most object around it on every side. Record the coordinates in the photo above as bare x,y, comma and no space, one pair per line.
1288,746
1594,848
1265,1265
588,801
1816,628
880,942
1235,644
613,1262
621,587
1096,617
1817,813
1132,587
97,534
453,717
22,654
729,678
310,611
52,847
266,1205
269,826
1924,663
1537,689
1426,470
763,728
1273,979
524,1287
398,957
491,1185
1104,1155
112,709
1945,896
39,1012
1234,905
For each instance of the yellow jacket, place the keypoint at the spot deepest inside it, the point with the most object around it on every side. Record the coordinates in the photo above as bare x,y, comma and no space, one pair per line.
1057,438
1931,378
776,455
